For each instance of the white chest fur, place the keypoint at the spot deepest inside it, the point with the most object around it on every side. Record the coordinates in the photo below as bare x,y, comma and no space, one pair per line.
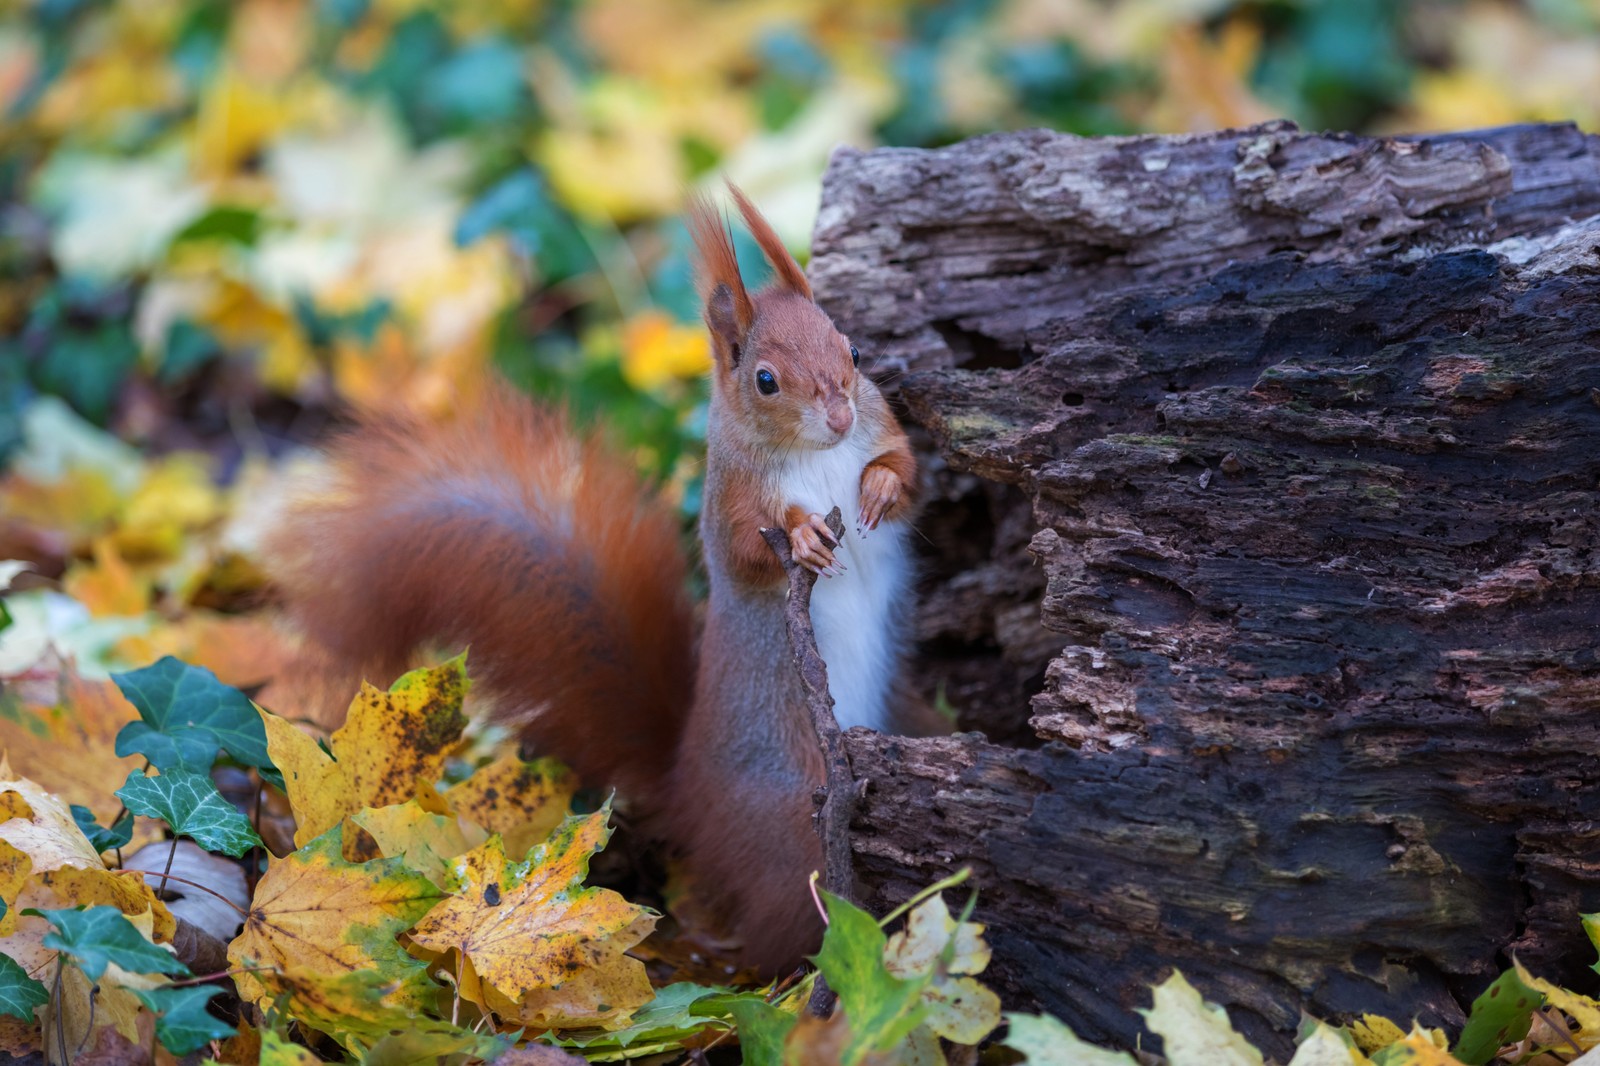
857,616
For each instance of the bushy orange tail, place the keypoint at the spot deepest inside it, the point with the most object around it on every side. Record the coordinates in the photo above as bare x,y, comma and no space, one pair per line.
505,532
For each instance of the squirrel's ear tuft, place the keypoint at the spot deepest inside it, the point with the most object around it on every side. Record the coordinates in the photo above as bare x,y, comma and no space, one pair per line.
790,276
728,310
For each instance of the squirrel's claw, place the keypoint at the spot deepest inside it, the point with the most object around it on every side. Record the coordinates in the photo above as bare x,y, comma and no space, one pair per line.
812,543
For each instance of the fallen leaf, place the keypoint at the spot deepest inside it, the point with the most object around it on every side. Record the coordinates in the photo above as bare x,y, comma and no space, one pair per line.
206,908
47,833
1324,1047
327,917
281,1051
1584,1010
15,866
1195,1033
549,948
424,841
391,749
1046,1041
1373,1032
96,886
1419,1048
521,799
67,744
111,1048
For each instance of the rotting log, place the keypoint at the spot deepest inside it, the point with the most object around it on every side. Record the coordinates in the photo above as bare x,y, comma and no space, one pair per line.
1303,435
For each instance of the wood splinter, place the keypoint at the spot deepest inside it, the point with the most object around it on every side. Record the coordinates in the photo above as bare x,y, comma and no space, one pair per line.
838,793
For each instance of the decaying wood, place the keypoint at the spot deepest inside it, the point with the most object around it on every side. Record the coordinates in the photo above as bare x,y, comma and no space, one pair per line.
1307,430
837,794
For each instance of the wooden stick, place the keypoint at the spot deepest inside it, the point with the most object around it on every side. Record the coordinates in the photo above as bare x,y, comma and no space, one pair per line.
836,798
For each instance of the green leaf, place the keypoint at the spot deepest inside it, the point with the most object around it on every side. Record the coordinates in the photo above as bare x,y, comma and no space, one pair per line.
678,1012
96,937
193,807
1591,926
185,1025
172,696
762,1031
103,839
19,993
1046,1041
1501,1015
183,748
880,1007
225,222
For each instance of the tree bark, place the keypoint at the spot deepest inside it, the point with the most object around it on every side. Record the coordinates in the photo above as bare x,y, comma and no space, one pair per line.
1305,432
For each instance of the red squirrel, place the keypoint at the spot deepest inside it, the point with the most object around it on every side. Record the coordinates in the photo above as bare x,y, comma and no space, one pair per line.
506,532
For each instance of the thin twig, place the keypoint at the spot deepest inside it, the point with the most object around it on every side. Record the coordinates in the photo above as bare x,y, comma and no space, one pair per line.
838,797
219,975
175,879
171,854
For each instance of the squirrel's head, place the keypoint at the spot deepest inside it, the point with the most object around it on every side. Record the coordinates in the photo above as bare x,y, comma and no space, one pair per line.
781,367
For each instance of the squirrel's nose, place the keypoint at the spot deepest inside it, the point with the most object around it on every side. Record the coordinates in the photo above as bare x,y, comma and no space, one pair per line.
840,418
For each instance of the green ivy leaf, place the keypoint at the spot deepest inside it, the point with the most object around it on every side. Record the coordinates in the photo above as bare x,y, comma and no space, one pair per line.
103,839
762,1030
181,748
19,993
1501,1015
96,937
175,699
193,807
880,1007
184,1025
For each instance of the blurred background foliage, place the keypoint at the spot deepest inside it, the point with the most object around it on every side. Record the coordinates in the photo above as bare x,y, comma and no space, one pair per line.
227,223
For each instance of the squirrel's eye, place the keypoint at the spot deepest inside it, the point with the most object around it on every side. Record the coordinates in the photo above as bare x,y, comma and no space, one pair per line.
766,382
855,356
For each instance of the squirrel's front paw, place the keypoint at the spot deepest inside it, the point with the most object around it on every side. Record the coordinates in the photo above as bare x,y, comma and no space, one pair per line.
880,490
812,543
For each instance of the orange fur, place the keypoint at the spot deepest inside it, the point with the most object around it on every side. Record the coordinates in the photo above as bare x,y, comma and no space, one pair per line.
790,276
504,532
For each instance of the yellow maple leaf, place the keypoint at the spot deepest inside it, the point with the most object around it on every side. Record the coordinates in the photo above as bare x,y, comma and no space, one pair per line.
391,749
1372,1032
322,918
547,951
1422,1047
522,800
424,841
15,866
43,829
1584,1010
130,893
